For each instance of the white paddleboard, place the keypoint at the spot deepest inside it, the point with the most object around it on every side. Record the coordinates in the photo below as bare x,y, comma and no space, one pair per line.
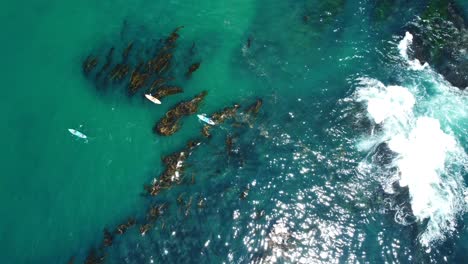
206,120
152,99
77,133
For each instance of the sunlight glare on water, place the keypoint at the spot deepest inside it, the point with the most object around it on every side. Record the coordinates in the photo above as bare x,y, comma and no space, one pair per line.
343,146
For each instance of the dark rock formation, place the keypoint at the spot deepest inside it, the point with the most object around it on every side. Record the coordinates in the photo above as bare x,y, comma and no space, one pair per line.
137,67
173,174
219,117
192,69
441,39
170,123
255,107
166,91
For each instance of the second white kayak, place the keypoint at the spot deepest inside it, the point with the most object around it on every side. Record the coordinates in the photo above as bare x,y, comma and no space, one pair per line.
206,120
152,99
77,133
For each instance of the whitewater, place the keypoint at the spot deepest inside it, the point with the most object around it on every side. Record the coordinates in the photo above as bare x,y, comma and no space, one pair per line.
421,124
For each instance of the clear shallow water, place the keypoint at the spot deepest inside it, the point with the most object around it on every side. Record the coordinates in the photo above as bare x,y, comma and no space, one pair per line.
308,199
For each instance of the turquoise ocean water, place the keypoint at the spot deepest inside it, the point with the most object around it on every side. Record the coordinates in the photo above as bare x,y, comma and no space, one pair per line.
306,181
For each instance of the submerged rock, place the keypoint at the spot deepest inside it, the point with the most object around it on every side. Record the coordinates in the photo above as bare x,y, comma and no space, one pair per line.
108,63
122,228
89,64
192,69
173,174
108,238
169,124
323,14
137,80
219,117
94,257
255,107
166,91
151,67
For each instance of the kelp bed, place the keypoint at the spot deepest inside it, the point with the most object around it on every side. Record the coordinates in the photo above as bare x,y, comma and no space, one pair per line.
149,70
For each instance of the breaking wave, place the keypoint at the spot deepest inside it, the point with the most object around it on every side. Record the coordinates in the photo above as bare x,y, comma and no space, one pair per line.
420,125
403,47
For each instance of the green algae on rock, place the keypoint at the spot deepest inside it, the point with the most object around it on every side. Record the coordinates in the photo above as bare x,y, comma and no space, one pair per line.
441,39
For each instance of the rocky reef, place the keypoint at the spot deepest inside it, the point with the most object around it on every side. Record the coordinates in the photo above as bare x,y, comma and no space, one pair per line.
441,39
152,75
173,174
147,67
219,117
170,123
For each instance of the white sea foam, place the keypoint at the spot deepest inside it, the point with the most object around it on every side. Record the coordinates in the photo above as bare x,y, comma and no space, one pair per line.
420,122
384,103
427,158
403,47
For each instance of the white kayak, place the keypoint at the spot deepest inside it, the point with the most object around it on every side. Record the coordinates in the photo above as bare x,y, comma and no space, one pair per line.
152,99
77,133
206,120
